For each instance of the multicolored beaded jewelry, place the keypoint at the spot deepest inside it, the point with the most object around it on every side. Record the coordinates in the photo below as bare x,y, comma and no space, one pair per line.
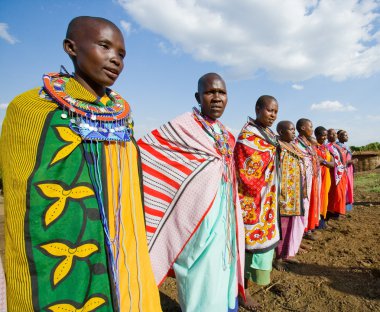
221,139
92,121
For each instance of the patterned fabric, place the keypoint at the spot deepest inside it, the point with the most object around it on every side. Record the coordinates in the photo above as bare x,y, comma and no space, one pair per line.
312,173
55,88
257,160
350,175
292,199
337,193
337,154
67,239
292,181
221,139
182,173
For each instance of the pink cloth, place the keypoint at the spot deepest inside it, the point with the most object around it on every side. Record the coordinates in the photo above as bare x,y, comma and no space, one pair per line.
282,249
298,228
292,232
182,172
3,297
350,181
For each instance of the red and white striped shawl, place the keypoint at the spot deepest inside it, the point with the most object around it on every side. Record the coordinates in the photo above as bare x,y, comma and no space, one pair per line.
182,172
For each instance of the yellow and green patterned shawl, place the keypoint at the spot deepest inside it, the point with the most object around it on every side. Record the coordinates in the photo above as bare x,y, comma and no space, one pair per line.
292,181
66,200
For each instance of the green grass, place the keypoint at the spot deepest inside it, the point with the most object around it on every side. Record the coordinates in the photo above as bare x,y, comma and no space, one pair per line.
368,182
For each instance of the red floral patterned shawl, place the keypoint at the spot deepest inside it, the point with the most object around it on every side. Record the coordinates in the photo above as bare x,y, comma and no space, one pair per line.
257,161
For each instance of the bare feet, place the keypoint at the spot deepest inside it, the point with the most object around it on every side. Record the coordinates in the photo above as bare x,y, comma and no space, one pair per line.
302,251
279,265
306,247
310,236
291,260
249,304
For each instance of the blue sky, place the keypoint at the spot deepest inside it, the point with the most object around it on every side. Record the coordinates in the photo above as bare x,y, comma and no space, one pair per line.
320,59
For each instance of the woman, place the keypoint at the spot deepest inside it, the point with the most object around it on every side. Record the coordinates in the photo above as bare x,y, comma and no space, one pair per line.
257,160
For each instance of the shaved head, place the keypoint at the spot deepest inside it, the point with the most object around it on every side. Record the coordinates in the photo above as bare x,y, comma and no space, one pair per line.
283,125
302,122
205,78
81,24
262,100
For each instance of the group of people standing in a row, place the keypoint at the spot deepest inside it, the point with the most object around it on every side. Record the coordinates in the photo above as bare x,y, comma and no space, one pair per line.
288,186
97,221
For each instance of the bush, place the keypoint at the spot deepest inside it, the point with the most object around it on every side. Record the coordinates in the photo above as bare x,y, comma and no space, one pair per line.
369,147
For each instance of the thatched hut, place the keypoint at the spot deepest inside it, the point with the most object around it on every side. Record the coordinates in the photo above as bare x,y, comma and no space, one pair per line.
367,160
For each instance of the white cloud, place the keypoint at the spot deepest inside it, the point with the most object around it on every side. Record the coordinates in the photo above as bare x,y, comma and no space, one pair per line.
297,87
332,106
3,106
5,34
373,117
168,49
126,26
291,40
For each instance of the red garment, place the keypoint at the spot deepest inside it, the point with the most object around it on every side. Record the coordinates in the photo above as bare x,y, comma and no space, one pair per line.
256,157
309,152
337,194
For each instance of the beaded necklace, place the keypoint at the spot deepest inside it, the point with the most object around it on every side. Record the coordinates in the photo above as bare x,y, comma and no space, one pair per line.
221,139
100,120
107,119
55,86
221,144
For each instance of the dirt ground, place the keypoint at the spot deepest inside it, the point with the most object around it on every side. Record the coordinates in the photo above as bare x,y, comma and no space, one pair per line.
340,273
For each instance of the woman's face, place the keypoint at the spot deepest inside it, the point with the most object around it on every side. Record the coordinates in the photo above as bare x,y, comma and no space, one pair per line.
267,114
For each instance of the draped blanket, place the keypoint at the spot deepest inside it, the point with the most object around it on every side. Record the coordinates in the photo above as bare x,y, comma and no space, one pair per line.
75,236
350,174
337,153
182,172
292,181
256,156
337,193
312,172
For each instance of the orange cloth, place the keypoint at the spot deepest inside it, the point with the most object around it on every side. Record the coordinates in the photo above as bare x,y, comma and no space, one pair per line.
323,152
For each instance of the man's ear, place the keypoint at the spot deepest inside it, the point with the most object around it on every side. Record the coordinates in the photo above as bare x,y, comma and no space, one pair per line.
69,47
197,97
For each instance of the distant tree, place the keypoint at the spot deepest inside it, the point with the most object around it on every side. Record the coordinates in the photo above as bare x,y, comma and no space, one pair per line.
369,147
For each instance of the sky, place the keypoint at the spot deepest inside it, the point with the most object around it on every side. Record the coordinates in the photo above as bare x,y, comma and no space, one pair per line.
320,59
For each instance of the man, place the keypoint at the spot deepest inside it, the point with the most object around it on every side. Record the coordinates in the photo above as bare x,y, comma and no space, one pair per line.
75,236
192,212
257,159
